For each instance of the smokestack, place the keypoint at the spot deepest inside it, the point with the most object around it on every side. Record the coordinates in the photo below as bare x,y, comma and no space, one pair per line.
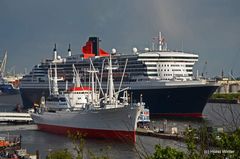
95,45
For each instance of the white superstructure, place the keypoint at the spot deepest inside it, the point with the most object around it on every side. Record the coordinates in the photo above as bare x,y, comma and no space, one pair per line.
167,65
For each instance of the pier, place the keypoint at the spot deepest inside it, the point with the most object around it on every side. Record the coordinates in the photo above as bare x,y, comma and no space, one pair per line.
13,127
170,136
15,117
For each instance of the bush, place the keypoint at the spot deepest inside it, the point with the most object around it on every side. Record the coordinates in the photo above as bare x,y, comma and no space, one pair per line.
167,153
228,96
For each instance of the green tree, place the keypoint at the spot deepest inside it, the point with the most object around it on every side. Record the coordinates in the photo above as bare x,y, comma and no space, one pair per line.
82,151
78,143
229,144
167,153
191,142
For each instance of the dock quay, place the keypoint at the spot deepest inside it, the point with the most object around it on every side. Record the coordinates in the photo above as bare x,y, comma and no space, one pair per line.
147,132
14,117
6,128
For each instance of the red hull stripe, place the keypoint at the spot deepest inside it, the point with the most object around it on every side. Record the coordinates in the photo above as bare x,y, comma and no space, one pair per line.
192,115
126,136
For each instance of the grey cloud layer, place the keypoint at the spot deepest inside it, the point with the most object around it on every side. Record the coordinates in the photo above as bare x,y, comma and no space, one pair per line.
29,28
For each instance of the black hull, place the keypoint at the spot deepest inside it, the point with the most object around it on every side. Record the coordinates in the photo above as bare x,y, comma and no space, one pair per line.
10,99
32,96
181,101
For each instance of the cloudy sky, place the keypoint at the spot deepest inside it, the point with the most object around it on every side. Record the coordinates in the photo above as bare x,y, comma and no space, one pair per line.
209,28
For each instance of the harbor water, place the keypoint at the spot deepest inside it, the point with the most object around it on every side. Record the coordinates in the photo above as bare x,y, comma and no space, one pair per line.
218,115
34,140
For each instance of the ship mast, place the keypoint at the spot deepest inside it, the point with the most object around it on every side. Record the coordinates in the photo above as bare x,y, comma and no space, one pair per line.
55,79
55,82
160,45
93,86
111,85
77,81
92,72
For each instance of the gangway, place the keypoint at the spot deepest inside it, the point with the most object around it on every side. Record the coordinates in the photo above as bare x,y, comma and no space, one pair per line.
15,117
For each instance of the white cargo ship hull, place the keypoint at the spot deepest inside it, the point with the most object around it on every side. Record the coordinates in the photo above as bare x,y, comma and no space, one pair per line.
116,123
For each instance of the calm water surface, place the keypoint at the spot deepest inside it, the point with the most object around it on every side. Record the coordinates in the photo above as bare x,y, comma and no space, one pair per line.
45,142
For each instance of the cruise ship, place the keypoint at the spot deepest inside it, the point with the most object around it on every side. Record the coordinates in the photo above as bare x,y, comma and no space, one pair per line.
163,78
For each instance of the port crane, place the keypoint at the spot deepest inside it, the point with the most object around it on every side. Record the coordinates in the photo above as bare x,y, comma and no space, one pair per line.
3,66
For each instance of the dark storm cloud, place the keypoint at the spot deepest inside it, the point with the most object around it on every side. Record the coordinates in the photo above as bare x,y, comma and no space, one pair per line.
29,28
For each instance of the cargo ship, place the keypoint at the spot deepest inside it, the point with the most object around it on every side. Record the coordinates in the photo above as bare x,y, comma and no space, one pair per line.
105,117
163,77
